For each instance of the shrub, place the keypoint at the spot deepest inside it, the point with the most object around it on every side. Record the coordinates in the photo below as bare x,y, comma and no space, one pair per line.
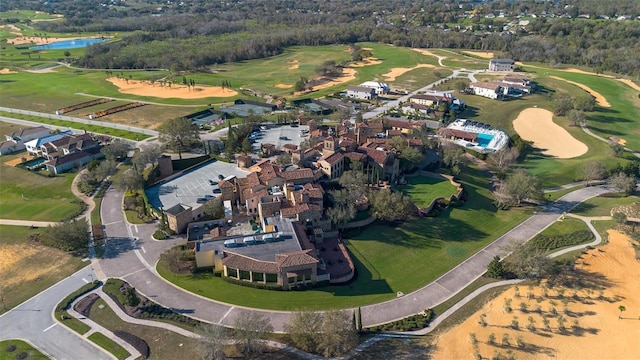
159,235
138,343
66,302
22,355
11,348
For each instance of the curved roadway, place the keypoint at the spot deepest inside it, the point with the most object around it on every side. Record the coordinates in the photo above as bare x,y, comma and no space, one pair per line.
131,254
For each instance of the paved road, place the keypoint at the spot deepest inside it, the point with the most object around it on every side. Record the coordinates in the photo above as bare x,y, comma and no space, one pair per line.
33,320
134,261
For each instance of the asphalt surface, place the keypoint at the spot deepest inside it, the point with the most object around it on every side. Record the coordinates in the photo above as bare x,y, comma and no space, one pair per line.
33,320
134,260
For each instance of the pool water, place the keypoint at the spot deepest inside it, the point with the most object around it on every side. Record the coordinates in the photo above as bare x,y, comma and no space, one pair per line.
484,139
35,163
69,44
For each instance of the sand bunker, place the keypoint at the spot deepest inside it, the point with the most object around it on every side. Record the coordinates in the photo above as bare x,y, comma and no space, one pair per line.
145,88
294,64
609,279
6,71
283,86
482,54
537,125
366,62
600,100
395,72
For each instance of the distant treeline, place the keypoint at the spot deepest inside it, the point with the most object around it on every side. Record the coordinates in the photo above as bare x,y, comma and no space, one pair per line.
203,33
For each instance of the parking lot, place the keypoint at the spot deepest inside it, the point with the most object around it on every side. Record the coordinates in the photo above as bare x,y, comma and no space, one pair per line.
276,135
192,185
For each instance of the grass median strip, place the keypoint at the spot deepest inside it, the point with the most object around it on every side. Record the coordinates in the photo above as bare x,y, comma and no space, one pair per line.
111,346
126,134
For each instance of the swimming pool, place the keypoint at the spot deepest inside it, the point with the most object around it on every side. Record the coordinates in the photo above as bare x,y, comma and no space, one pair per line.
484,139
35,163
69,44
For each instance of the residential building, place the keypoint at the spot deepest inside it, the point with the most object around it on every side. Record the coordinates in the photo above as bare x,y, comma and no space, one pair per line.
491,90
16,141
501,65
33,147
379,87
361,92
332,165
70,151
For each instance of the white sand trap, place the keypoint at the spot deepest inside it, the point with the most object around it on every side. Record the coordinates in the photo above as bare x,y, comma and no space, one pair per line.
536,125
283,86
6,71
600,100
395,72
145,88
599,335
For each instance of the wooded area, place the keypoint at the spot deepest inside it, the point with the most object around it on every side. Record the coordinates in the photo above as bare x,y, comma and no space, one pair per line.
200,34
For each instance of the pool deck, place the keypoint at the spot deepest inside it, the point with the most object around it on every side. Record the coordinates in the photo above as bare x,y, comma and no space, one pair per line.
499,140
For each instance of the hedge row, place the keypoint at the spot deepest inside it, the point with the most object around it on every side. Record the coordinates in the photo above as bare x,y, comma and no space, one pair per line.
411,323
544,242
136,342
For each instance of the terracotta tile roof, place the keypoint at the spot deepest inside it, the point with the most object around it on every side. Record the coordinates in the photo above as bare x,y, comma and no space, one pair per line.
246,263
226,184
268,146
392,133
355,156
314,191
457,134
297,174
416,106
376,126
428,97
415,142
253,179
296,258
400,124
333,158
378,156
290,146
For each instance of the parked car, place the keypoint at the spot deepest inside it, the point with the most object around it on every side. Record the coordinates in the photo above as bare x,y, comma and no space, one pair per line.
217,191
283,138
220,176
213,182
209,197
201,200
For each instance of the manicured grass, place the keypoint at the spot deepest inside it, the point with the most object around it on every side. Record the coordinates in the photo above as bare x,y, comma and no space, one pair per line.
562,227
28,196
111,346
601,205
480,282
28,267
388,259
163,344
424,189
602,226
20,347
79,126
420,77
555,195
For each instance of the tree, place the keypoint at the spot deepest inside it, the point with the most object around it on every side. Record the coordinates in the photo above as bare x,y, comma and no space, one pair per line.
70,235
495,269
584,102
562,103
303,329
106,168
212,341
520,186
622,309
590,171
214,208
410,157
179,134
623,183
337,335
527,261
390,206
148,154
131,297
250,328
503,159
577,117
620,218
246,146
284,158
343,208
452,155
118,149
129,180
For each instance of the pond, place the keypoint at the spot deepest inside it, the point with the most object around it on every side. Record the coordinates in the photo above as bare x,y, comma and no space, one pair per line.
69,44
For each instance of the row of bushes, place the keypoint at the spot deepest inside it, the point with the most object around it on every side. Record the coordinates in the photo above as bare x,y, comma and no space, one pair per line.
544,242
411,323
138,343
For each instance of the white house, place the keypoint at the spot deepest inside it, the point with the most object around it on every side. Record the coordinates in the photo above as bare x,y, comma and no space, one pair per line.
34,146
361,92
490,90
501,65
16,141
380,88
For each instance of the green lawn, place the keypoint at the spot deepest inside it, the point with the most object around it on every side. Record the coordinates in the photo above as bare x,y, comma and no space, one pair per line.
424,189
29,268
163,344
111,346
20,347
602,205
29,196
420,77
388,259
566,226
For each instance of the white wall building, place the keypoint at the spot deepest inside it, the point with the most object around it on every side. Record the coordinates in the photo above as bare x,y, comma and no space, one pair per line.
501,65
361,92
379,87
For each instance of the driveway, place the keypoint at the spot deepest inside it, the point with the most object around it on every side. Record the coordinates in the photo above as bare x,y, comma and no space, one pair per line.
134,261
33,320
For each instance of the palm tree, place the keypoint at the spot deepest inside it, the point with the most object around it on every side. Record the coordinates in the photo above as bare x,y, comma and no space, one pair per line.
621,308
